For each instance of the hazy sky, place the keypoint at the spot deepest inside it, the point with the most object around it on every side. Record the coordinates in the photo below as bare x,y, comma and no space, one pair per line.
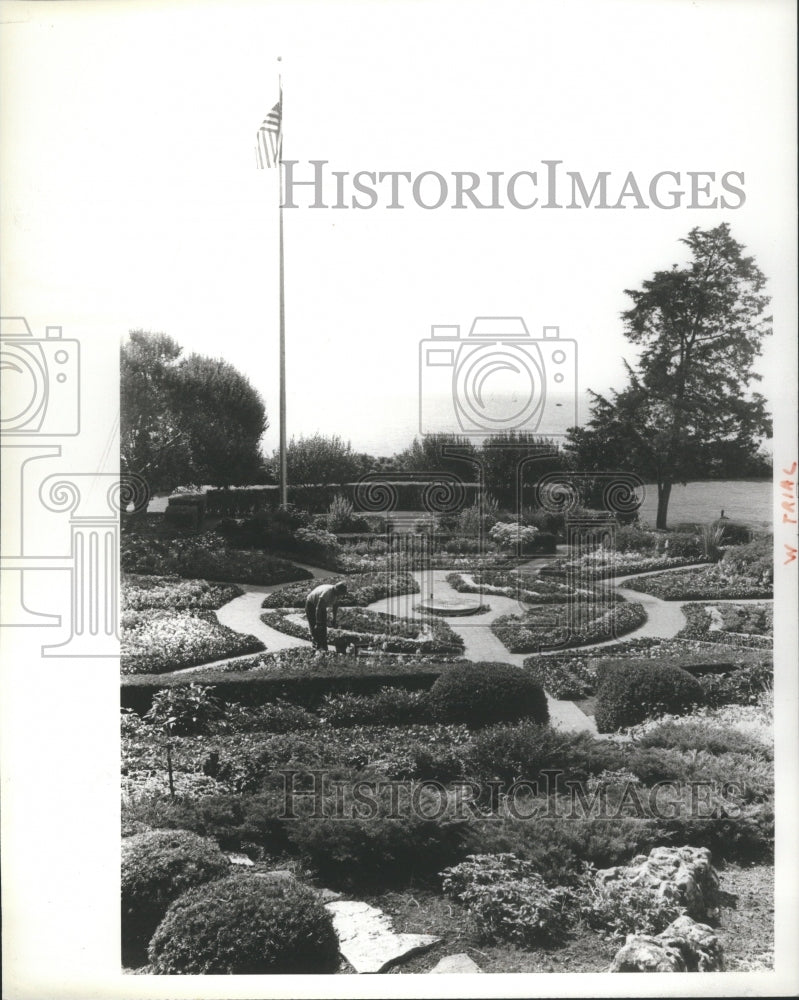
132,201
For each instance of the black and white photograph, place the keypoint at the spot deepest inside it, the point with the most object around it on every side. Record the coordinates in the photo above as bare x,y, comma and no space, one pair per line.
399,498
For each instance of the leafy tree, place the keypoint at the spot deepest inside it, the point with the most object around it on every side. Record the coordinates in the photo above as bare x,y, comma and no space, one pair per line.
501,455
152,440
686,408
224,419
193,419
428,454
320,459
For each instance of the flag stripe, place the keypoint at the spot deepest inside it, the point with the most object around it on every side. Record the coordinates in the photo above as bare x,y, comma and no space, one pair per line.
270,139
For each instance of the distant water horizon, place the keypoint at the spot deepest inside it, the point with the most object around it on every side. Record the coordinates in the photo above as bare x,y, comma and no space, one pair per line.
745,500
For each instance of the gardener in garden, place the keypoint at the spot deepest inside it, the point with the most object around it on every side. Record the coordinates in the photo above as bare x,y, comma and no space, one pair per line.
326,597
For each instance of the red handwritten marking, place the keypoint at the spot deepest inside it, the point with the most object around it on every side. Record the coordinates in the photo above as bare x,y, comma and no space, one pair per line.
791,553
790,472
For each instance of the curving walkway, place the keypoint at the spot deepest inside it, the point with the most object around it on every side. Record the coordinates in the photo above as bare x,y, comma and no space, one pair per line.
664,620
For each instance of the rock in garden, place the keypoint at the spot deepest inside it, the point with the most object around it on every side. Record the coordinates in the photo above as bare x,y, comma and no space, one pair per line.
459,963
684,946
240,859
328,895
684,875
366,938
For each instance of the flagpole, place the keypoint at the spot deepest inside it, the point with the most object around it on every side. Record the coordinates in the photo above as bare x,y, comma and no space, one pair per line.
283,462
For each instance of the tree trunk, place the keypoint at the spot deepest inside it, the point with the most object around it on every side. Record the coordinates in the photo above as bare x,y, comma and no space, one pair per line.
664,493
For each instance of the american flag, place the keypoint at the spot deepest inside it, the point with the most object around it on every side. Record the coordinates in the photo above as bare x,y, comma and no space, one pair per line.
269,139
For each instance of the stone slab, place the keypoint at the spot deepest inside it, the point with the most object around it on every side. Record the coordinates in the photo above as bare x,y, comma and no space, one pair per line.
366,938
460,963
240,859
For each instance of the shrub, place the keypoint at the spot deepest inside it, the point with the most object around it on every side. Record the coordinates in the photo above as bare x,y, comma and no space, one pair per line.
392,844
388,706
508,899
238,822
246,924
187,709
702,734
523,750
624,908
157,867
480,694
276,717
743,686
513,536
632,691
341,517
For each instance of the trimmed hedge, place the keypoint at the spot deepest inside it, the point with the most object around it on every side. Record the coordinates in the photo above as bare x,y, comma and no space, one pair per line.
630,692
300,676
480,694
246,924
157,866
250,500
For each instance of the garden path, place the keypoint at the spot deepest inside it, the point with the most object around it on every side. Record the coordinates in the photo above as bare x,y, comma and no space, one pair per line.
480,643
664,620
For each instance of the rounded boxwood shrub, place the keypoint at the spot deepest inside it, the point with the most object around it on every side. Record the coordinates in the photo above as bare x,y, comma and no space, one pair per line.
480,694
157,867
629,693
245,924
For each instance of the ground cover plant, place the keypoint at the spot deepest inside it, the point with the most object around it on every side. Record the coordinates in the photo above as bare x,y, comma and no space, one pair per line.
552,626
205,556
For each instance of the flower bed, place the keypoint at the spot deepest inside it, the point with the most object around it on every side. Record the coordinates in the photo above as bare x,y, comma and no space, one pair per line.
159,641
374,630
362,589
747,625
139,592
706,584
548,628
574,676
204,556
606,563
519,586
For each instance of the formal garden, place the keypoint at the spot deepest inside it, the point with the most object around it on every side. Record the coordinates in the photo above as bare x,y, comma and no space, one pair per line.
540,737
279,801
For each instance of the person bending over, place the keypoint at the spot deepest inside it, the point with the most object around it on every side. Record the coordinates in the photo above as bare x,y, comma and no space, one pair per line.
326,597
